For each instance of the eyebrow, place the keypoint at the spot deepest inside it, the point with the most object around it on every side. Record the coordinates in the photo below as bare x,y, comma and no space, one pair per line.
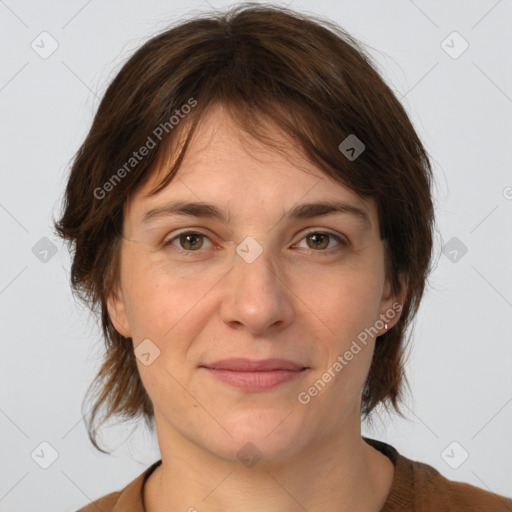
301,211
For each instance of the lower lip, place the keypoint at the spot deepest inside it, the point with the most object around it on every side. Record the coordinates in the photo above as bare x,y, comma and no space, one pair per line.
256,381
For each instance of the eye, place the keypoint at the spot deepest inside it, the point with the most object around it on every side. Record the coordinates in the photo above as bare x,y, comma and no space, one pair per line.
319,240
189,241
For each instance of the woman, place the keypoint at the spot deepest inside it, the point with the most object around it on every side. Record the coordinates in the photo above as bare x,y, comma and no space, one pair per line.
252,212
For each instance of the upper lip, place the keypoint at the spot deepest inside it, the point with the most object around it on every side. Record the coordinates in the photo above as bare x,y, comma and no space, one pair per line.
251,365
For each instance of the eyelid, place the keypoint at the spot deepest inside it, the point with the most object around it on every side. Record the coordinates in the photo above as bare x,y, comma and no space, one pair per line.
325,232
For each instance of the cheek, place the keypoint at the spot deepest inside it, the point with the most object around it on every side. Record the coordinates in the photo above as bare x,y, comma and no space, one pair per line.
346,301
156,308
166,306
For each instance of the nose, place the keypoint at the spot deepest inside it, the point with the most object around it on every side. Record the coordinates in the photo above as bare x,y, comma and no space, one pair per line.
256,298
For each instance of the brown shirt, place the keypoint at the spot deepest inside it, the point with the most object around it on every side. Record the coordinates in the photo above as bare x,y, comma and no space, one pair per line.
416,487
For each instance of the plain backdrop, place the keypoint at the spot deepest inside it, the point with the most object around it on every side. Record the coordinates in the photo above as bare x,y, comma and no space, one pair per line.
460,101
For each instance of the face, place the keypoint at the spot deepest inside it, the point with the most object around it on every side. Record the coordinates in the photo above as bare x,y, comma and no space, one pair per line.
266,280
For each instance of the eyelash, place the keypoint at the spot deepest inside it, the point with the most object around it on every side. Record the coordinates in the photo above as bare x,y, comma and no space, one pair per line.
342,242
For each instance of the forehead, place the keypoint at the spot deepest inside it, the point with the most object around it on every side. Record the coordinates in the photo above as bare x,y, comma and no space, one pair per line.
225,164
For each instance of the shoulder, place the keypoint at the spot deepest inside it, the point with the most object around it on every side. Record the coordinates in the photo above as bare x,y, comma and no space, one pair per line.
433,491
418,487
128,499
104,504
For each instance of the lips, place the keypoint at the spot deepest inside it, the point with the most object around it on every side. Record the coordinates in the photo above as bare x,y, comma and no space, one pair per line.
251,375
250,365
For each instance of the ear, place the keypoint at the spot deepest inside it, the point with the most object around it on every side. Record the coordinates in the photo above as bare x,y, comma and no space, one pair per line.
392,303
117,312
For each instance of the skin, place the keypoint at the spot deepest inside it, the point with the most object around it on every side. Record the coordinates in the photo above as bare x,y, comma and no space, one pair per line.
295,301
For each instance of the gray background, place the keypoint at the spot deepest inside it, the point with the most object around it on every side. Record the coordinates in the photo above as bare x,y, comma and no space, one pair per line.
460,361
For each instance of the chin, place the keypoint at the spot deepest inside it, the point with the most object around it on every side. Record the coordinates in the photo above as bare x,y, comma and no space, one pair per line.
256,443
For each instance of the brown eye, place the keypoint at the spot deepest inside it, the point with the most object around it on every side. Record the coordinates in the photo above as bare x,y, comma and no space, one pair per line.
318,240
322,242
189,241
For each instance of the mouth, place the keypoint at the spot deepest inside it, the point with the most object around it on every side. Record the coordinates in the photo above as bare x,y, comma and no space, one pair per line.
251,375
251,365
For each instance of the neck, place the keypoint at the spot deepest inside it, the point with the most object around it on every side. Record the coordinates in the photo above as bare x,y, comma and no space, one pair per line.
337,474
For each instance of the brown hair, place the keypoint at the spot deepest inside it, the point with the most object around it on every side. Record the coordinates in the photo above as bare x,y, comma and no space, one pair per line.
309,78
